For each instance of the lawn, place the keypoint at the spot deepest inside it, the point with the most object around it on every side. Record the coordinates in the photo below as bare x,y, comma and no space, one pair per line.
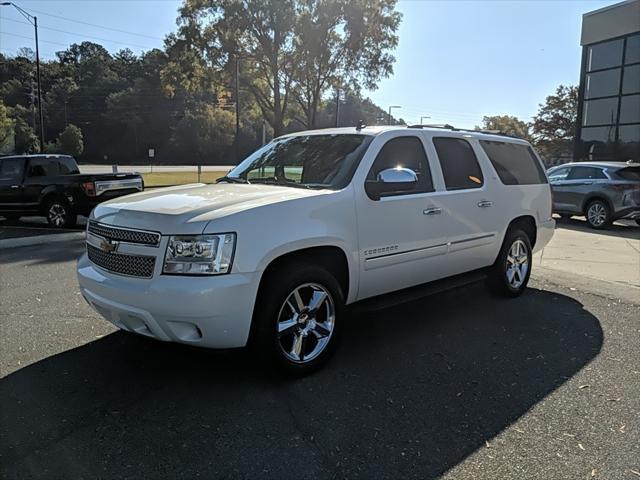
165,179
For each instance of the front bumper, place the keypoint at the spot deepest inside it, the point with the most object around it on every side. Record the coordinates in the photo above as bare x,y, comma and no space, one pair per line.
211,311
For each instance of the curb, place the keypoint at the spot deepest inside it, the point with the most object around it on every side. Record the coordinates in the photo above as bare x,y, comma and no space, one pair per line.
41,239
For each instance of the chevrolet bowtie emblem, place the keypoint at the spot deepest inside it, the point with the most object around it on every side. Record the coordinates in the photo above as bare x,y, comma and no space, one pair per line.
108,246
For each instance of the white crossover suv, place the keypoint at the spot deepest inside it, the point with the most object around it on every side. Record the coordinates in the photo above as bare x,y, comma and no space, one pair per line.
310,223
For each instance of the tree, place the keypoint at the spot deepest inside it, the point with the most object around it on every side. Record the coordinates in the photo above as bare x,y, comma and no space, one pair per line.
203,131
70,141
508,125
554,126
6,129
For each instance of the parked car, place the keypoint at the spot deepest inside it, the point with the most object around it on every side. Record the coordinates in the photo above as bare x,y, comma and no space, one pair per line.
52,185
601,191
314,221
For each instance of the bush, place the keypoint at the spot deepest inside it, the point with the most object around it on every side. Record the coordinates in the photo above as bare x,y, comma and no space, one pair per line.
70,141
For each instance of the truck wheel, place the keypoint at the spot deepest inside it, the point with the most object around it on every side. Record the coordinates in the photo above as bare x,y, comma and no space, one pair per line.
510,273
59,214
297,318
598,214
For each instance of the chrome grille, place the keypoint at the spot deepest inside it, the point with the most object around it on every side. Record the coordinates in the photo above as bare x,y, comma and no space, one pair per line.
124,235
123,264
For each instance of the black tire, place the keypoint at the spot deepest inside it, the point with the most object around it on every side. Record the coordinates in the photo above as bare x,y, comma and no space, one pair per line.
598,214
59,213
272,310
507,278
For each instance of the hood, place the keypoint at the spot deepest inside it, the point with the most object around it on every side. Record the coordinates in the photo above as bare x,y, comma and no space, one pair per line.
187,209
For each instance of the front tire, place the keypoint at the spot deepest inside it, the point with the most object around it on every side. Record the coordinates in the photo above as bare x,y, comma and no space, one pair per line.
510,273
297,318
59,214
598,214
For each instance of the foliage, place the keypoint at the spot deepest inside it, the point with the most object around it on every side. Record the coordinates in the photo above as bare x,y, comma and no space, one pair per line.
554,126
70,141
7,125
508,125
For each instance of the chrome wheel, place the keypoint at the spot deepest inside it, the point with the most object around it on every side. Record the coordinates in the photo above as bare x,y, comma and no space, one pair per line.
597,214
517,264
57,215
306,322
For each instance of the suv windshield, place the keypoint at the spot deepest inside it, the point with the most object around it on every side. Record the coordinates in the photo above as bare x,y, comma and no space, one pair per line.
307,161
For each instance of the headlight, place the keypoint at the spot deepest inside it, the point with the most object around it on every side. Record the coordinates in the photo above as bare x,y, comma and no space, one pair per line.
199,254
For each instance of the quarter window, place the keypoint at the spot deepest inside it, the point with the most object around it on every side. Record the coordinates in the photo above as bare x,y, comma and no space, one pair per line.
515,164
459,164
68,166
404,152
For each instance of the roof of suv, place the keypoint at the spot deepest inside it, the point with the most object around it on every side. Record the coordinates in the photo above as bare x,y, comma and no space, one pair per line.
379,129
600,164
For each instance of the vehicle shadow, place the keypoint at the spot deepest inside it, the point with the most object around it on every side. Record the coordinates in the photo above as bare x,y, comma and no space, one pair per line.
412,392
628,231
35,255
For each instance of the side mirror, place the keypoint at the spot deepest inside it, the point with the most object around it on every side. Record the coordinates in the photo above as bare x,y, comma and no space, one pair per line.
391,180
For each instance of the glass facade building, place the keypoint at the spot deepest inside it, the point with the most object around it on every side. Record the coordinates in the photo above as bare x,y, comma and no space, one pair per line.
608,126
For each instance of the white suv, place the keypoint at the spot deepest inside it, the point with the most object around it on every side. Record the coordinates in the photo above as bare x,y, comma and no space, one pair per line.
311,222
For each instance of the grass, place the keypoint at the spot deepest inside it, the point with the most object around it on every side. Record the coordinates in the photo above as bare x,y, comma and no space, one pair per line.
165,179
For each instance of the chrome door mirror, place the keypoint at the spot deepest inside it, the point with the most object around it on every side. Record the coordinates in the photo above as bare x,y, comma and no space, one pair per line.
391,180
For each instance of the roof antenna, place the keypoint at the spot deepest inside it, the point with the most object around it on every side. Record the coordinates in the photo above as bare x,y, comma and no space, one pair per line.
361,125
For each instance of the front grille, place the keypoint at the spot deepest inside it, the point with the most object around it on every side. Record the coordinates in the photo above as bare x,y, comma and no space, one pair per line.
124,235
123,264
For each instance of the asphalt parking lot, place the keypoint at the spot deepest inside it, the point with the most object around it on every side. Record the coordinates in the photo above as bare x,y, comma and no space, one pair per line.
455,385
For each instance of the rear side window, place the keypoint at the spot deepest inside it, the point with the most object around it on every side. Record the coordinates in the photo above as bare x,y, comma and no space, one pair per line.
558,174
515,164
68,166
459,164
629,173
11,169
405,152
586,173
42,167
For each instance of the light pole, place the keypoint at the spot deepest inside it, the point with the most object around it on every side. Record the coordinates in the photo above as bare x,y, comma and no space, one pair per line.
389,115
424,116
34,21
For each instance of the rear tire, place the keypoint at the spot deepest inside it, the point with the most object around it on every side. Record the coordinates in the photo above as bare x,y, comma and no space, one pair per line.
598,214
510,273
59,214
297,318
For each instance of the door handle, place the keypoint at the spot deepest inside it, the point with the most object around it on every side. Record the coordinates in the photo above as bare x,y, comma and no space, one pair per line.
15,186
485,204
432,211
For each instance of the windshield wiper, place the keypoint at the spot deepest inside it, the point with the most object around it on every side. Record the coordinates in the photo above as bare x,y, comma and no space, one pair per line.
232,180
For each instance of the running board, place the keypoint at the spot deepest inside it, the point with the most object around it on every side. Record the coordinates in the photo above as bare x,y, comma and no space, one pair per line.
418,292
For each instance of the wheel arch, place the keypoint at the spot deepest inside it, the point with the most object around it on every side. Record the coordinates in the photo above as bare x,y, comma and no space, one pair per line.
527,223
595,196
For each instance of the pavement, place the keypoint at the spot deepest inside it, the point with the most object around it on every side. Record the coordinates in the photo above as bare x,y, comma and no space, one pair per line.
456,385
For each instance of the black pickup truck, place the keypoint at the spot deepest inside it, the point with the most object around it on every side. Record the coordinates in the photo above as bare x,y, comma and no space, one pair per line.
52,185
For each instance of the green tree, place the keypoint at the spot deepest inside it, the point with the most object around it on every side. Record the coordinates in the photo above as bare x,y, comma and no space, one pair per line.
508,125
70,141
553,128
204,131
7,125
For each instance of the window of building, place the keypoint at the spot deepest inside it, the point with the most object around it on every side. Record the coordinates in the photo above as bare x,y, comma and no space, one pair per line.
602,84
597,143
459,164
630,109
515,164
631,79
632,53
604,55
42,167
603,111
405,152
598,134
629,140
11,169
586,173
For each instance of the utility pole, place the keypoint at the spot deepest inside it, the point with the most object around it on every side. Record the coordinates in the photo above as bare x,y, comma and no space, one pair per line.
237,142
389,115
337,106
424,116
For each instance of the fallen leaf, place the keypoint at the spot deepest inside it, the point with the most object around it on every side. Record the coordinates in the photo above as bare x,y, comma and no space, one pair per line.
584,386
581,447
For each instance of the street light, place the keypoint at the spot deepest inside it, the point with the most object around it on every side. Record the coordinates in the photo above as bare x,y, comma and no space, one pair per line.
33,21
424,116
389,116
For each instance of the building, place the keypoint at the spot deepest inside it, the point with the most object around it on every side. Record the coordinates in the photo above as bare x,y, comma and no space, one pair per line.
608,126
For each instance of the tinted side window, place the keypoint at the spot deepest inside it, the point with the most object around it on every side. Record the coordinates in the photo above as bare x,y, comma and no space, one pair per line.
42,167
515,164
459,164
580,173
11,169
68,166
406,152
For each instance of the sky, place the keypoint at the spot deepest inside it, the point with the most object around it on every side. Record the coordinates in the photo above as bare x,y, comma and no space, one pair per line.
456,61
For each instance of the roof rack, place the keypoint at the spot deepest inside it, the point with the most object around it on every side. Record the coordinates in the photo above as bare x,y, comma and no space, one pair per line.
446,126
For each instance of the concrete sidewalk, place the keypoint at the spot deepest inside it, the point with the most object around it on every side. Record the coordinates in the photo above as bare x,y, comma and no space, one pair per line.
609,255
